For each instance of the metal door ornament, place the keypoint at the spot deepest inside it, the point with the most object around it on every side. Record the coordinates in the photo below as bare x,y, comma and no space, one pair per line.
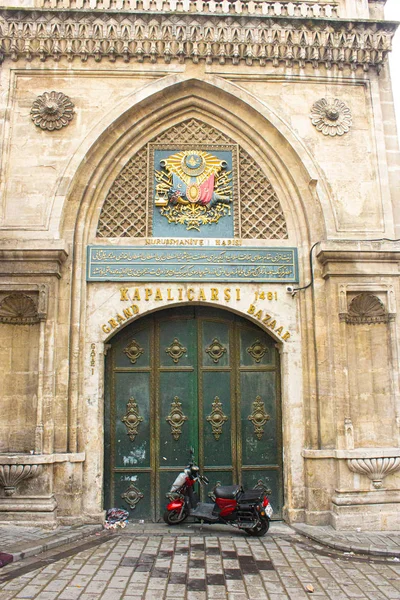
217,418
132,419
176,418
259,417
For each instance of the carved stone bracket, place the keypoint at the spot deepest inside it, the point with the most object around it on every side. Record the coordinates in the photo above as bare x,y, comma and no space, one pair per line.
132,419
133,351
217,418
258,417
132,496
12,475
176,418
216,350
376,469
176,350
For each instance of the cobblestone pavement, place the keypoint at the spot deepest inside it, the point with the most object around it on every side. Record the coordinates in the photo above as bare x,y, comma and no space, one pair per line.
202,567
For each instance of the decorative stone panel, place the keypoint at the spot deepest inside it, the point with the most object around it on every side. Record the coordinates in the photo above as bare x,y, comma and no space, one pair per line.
366,308
12,475
124,212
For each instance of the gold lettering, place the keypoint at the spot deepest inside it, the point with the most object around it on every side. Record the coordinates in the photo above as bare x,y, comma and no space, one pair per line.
266,319
227,294
105,329
217,242
202,295
127,312
113,323
279,330
251,309
134,308
147,293
136,295
286,336
158,295
180,291
214,294
258,314
120,319
272,325
124,294
169,297
237,293
190,293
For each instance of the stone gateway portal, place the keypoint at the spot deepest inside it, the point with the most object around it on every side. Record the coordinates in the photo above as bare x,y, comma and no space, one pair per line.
190,377
199,225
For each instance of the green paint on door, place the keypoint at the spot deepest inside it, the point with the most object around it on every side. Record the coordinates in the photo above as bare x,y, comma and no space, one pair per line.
190,377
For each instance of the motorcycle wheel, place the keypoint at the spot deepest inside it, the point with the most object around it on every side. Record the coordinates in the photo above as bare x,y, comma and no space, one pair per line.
260,529
171,517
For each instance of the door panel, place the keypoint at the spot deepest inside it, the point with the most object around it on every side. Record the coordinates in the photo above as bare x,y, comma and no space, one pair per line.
194,377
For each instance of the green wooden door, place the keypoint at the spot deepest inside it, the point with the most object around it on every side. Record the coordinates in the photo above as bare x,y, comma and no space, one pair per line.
190,377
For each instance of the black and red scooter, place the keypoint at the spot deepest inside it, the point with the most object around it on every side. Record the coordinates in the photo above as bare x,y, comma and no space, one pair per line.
248,510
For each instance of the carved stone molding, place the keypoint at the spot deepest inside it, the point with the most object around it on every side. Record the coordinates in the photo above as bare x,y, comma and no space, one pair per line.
12,475
376,469
52,110
366,308
182,36
284,8
19,308
331,116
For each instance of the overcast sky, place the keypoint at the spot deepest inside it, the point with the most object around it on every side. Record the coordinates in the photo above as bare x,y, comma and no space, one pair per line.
393,12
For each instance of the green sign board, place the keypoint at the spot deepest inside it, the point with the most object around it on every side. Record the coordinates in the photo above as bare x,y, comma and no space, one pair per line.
211,264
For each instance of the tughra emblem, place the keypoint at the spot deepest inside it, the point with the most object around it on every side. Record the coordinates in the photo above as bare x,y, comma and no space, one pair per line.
193,188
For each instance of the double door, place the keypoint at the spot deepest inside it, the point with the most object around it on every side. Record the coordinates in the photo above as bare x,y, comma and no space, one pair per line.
190,377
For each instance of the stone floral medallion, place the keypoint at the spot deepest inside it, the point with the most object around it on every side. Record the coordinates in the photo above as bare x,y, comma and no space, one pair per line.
331,116
52,110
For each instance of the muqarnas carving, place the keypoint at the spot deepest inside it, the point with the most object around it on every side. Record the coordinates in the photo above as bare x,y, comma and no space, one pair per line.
331,116
52,110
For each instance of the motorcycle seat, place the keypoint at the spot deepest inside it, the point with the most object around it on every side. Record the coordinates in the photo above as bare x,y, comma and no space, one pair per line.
227,491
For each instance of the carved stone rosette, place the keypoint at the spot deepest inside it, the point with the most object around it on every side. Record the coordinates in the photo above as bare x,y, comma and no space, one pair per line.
258,417
132,496
331,116
217,418
52,110
376,469
176,418
12,475
132,419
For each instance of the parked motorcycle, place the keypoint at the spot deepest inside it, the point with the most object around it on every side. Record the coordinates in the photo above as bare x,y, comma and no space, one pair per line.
248,510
